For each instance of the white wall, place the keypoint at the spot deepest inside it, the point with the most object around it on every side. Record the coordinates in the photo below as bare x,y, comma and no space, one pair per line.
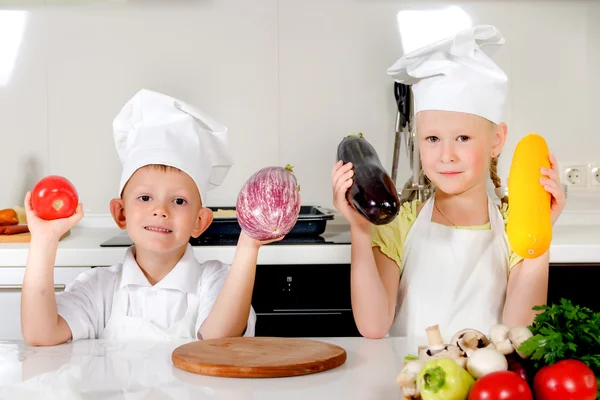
289,78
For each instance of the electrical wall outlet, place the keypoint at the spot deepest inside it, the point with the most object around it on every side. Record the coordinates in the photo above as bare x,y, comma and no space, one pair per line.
575,174
594,170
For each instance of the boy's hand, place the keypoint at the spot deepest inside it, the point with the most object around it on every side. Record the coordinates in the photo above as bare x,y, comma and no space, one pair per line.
271,241
554,187
53,229
246,240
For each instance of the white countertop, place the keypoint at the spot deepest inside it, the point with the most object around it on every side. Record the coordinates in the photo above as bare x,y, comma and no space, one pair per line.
94,369
576,240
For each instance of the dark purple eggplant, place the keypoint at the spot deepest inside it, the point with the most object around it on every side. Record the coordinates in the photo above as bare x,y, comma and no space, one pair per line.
515,364
523,367
373,193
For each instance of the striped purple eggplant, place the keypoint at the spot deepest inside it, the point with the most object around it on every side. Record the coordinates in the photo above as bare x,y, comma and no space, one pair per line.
269,203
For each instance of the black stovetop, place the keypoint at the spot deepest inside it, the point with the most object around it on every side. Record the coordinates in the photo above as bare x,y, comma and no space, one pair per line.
332,236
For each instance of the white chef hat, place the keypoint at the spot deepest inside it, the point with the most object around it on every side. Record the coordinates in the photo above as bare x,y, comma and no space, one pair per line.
153,128
457,74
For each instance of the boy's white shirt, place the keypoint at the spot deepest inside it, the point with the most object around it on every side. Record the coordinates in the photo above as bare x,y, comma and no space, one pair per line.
87,302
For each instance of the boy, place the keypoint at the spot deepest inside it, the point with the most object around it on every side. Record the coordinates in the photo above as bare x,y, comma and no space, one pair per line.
172,154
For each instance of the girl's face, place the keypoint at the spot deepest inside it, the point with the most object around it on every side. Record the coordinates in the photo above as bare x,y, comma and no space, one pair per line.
456,149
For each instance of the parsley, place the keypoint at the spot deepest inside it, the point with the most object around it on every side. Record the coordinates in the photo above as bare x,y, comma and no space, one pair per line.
564,331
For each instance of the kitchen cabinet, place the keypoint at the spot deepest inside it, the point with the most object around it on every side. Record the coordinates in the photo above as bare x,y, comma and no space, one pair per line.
576,282
11,281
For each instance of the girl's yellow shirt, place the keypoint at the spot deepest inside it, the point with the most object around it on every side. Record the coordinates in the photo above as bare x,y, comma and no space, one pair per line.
390,238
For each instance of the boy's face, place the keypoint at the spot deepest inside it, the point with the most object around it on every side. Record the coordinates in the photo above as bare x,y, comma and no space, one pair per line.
456,148
161,209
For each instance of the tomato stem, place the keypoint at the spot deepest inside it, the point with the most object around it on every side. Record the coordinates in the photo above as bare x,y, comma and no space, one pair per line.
58,204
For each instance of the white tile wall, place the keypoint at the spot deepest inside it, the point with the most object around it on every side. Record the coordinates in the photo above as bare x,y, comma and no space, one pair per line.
592,112
220,56
289,78
23,116
333,82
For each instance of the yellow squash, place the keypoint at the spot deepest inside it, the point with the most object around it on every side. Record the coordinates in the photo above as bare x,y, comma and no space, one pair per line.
529,227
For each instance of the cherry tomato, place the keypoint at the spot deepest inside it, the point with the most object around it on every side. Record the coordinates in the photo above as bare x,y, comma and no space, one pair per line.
565,380
501,385
54,197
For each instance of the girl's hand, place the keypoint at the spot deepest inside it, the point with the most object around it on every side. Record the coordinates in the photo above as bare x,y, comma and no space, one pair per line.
554,187
341,178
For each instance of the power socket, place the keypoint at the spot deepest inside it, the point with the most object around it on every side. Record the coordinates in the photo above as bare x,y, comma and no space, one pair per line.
575,175
594,170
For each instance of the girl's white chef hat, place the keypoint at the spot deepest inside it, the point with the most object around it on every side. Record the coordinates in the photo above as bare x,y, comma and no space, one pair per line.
457,74
153,128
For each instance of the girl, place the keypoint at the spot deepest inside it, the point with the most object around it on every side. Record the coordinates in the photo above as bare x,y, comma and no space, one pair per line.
448,261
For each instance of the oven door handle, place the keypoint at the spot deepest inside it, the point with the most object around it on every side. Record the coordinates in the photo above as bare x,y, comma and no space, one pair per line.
18,288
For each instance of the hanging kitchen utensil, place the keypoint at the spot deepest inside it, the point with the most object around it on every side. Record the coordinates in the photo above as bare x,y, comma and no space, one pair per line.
417,187
403,96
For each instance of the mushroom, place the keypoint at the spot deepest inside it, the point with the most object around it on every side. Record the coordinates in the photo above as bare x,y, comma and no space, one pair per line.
500,340
517,336
437,349
469,340
485,361
407,379
490,346
450,351
434,339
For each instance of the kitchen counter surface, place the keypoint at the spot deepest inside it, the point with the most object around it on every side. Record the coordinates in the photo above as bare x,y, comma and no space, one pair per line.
82,248
95,369
575,241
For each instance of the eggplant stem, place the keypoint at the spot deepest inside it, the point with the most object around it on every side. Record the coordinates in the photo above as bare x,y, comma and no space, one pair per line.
359,134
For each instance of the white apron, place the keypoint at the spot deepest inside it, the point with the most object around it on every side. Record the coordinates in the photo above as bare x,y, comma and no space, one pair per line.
120,326
454,278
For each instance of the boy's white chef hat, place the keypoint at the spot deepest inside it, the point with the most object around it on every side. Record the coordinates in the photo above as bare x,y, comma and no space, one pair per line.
153,128
457,74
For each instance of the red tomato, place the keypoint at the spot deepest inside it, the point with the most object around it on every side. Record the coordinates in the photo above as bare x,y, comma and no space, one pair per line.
565,380
501,385
54,197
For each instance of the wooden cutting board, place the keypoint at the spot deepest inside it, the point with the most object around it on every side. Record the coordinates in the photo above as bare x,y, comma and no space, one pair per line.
258,357
23,237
